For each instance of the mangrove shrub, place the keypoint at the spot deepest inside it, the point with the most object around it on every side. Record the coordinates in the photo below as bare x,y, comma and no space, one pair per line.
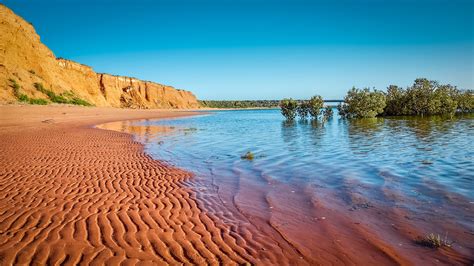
303,109
288,108
327,113
315,105
426,97
362,103
465,101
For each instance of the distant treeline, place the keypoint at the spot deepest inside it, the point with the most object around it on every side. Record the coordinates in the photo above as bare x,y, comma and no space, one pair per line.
249,103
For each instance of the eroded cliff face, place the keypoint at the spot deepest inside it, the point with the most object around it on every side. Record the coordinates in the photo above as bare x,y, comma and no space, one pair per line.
26,60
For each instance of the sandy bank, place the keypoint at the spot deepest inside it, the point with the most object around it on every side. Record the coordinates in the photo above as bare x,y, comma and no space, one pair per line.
70,193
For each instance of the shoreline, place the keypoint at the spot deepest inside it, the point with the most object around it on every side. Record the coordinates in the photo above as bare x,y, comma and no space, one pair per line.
328,230
72,193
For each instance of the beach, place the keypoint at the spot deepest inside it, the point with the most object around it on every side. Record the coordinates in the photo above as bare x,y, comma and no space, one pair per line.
74,194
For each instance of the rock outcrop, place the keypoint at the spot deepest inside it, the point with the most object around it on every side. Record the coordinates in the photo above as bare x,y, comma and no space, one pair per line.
26,60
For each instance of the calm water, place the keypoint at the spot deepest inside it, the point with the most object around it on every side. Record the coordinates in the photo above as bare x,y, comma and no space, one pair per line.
398,178
418,156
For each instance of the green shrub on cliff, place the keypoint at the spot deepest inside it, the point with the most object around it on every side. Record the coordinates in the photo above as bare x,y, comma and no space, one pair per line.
79,101
51,95
38,101
65,97
16,87
23,97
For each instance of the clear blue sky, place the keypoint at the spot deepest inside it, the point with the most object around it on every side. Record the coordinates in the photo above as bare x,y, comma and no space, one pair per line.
263,49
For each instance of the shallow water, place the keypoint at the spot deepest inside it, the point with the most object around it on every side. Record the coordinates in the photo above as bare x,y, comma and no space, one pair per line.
423,166
415,152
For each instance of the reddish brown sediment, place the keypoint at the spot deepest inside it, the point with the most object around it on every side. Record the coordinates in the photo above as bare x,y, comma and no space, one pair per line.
326,226
71,193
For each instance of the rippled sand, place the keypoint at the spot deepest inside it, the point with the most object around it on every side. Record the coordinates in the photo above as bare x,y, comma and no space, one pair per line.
74,194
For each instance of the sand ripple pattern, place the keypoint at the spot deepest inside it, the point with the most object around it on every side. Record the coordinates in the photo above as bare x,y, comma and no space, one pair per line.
89,196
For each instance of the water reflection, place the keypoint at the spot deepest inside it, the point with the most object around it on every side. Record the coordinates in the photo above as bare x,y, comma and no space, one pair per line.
364,135
142,130
410,165
416,150
289,132
424,127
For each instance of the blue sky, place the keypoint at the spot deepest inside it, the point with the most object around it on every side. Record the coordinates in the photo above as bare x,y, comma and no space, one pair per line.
260,49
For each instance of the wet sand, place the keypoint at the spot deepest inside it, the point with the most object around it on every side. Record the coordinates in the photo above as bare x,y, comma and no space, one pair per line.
71,193
74,194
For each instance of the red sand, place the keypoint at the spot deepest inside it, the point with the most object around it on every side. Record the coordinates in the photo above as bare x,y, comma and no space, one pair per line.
70,193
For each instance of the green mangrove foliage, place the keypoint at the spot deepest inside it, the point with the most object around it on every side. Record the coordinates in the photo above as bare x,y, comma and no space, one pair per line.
465,101
315,105
288,108
424,97
303,109
327,113
427,97
360,103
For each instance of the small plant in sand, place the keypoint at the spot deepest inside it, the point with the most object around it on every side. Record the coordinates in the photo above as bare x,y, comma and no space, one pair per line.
434,241
248,156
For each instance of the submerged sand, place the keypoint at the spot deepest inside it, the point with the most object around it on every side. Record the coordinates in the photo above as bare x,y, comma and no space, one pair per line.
74,194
